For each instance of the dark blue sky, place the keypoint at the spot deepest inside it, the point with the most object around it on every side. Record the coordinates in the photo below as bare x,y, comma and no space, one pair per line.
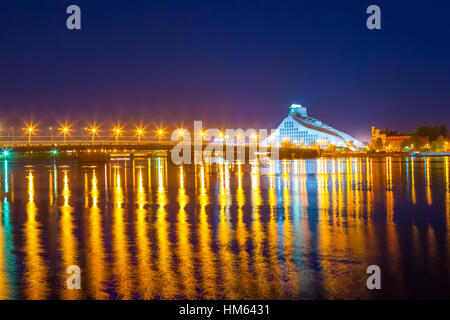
229,63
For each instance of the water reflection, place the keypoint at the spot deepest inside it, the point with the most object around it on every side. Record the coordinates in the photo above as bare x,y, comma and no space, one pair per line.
245,280
95,251
225,235
144,272
7,257
36,271
167,286
67,240
206,255
447,194
257,235
121,253
145,229
391,227
185,248
272,239
428,180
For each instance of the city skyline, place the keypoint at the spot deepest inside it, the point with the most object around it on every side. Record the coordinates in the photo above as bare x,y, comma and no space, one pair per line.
226,63
234,158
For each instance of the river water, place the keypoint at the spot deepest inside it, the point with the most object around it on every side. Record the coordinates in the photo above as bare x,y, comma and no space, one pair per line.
300,229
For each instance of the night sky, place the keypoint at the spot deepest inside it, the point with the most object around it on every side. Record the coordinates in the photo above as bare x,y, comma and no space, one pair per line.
229,63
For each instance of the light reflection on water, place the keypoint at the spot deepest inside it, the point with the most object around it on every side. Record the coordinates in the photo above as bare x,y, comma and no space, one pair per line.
299,229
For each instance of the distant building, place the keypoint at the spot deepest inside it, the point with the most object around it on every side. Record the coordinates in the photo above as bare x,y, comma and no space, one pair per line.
301,130
388,140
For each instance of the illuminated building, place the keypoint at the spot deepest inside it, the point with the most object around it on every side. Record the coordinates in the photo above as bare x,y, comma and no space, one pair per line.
388,140
301,130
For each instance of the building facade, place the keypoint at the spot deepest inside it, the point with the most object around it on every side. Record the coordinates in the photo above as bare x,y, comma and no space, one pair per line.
303,131
388,140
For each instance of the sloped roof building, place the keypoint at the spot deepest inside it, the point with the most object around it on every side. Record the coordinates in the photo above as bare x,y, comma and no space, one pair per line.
301,130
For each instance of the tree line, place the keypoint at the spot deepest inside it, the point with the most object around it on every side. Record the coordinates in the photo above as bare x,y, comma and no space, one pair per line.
430,137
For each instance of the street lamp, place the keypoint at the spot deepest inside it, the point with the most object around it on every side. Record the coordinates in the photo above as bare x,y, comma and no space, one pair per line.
255,138
117,131
93,130
160,132
65,130
12,134
180,134
140,132
238,139
30,129
51,132
5,153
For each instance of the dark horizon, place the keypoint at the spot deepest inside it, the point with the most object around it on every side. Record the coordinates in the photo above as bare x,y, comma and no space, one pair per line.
228,63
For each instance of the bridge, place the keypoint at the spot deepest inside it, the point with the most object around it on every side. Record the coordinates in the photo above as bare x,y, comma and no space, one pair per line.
84,150
103,149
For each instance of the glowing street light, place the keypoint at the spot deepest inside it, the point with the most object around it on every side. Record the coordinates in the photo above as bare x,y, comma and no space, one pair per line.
93,131
180,134
160,132
30,130
202,134
117,131
5,153
65,130
140,133
255,138
51,132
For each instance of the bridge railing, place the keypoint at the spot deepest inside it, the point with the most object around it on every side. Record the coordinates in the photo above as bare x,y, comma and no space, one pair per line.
83,140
